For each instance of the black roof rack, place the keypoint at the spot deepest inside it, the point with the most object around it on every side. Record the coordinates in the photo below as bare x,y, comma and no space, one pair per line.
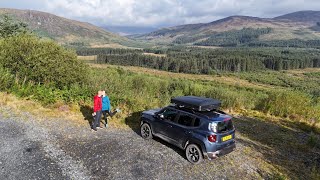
196,103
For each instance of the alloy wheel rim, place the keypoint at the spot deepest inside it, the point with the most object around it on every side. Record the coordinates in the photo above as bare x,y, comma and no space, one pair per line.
193,154
145,131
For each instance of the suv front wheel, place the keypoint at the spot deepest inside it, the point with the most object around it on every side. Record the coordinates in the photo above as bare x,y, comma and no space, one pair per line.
194,154
145,131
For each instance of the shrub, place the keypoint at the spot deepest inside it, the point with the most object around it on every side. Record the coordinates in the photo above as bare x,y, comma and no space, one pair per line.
40,61
8,27
6,79
285,103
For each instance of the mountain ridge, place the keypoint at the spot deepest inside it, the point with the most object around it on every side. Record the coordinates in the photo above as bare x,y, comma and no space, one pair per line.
285,27
64,30
301,16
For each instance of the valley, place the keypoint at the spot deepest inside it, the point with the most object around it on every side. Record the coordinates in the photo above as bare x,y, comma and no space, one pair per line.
265,71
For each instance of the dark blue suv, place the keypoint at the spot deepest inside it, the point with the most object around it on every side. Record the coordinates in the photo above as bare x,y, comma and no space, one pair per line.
194,124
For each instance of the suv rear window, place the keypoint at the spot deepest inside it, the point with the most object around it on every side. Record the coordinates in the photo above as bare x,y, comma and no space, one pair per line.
224,126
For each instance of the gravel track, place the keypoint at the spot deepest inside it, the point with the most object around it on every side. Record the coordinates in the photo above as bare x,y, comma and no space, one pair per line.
35,148
31,151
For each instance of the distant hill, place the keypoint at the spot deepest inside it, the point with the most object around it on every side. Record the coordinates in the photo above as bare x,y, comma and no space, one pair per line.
66,31
286,27
129,30
301,16
229,23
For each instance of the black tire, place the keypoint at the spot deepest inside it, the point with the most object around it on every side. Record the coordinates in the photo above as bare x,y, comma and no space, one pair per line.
145,131
194,154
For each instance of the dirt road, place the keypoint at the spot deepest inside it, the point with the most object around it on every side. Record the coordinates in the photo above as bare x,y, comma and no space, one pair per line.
44,148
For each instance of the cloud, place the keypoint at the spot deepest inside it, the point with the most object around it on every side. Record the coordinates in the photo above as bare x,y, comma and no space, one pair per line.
159,13
117,12
26,4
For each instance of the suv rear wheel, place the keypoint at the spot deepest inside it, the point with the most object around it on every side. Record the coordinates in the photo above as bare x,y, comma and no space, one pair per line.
145,131
194,154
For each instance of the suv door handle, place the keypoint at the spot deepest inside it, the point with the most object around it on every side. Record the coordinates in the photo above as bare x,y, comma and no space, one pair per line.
169,126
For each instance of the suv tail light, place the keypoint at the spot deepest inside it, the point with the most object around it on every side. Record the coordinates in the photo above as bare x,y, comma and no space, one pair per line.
212,138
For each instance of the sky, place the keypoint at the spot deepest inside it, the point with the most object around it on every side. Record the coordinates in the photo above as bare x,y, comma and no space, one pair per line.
160,13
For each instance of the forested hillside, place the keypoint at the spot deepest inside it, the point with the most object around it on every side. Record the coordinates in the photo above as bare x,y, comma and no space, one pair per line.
235,37
211,61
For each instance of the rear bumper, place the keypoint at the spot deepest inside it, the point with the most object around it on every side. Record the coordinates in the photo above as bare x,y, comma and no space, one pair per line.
221,152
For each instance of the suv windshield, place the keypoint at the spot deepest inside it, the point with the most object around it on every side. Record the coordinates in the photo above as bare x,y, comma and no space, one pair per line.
224,126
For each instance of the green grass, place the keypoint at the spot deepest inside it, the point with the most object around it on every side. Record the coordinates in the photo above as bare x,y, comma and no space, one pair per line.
290,95
140,91
307,82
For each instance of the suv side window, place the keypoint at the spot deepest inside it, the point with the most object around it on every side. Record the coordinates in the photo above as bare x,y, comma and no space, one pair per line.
186,120
169,114
196,122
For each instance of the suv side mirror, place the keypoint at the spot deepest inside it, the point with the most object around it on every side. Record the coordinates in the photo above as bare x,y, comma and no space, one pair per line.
161,116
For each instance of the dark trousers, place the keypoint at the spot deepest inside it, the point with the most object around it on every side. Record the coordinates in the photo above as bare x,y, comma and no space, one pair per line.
96,122
105,112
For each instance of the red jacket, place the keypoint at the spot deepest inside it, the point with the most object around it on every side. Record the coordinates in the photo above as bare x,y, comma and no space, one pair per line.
97,103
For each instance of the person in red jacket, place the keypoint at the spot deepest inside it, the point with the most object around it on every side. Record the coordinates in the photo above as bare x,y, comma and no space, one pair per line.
97,110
